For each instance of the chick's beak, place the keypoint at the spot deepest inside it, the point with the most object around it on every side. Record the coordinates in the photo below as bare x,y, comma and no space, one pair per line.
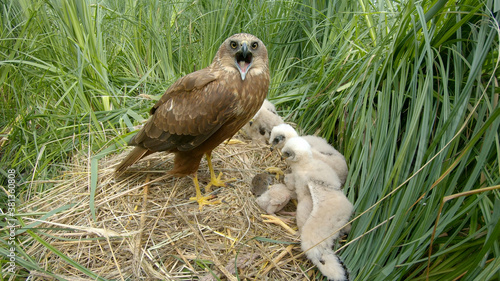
283,156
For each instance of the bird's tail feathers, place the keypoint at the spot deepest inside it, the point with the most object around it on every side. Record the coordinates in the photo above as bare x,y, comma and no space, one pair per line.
328,263
135,155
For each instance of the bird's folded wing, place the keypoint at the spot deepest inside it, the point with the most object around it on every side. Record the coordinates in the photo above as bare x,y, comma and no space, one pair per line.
191,110
191,81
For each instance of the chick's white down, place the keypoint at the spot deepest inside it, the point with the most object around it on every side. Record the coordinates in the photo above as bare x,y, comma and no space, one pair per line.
320,148
323,209
259,128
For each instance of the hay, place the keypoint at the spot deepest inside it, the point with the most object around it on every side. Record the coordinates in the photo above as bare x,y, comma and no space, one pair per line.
146,227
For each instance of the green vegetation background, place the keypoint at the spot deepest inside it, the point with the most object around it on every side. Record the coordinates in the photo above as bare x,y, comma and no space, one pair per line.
407,91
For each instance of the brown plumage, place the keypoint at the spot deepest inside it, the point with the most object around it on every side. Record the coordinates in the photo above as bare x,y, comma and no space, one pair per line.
204,108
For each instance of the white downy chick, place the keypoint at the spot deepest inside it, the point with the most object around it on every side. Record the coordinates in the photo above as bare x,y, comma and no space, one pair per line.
270,198
274,199
321,149
330,210
259,128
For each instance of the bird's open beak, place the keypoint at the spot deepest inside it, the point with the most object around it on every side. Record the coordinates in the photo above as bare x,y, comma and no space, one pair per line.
244,60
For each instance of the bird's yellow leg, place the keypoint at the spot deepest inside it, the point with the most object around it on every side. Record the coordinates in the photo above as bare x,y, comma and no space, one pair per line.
278,221
275,170
214,181
202,200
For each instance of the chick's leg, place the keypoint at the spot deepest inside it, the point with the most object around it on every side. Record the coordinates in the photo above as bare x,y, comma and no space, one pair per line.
278,221
202,200
214,181
275,170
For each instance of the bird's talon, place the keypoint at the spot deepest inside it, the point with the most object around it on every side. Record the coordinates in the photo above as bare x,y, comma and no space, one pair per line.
208,188
216,181
204,200
230,180
275,170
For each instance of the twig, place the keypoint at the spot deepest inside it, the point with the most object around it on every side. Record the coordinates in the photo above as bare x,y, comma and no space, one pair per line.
288,250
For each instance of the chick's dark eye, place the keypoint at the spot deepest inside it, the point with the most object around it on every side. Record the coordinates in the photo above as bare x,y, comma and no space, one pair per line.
262,131
233,44
255,45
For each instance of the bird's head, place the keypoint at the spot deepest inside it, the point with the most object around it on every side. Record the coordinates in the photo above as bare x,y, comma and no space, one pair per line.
243,53
280,134
296,149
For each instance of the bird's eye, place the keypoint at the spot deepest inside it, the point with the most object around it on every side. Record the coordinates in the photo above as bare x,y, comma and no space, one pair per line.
234,45
255,45
262,131
278,139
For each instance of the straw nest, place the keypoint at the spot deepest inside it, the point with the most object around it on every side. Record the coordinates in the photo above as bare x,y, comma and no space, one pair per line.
145,227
